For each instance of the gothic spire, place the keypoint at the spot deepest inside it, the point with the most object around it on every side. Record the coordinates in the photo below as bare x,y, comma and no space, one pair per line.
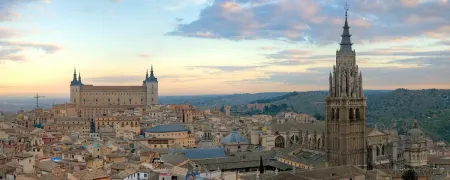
74,74
146,74
79,77
152,77
346,43
151,71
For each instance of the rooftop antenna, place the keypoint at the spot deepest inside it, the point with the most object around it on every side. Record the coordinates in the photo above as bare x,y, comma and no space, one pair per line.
37,99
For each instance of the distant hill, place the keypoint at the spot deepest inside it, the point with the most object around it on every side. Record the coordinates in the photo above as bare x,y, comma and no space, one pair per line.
211,101
14,104
430,107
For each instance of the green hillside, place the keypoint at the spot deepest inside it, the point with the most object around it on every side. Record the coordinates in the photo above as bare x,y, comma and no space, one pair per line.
431,108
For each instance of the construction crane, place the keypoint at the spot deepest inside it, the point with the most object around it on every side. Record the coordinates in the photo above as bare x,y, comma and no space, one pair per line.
37,99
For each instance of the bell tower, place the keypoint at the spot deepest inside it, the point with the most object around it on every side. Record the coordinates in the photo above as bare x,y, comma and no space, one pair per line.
346,107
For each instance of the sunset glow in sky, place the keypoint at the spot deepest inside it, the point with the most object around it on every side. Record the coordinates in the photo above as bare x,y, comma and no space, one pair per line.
219,46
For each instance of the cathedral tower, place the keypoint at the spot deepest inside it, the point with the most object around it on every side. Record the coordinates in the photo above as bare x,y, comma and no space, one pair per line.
346,108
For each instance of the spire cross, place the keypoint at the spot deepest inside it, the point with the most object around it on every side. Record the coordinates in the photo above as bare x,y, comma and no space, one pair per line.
346,7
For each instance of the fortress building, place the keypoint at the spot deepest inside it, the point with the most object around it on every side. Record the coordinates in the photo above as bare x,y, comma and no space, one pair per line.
95,101
346,108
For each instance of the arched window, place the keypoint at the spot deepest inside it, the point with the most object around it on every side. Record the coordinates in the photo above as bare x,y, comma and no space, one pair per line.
358,114
351,114
279,142
337,114
319,144
383,150
332,113
378,150
294,140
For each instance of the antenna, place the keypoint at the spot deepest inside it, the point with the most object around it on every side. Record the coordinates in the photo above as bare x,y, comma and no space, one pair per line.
37,99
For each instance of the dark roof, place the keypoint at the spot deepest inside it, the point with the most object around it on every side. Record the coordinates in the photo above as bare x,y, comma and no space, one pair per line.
200,153
242,160
23,155
167,128
439,160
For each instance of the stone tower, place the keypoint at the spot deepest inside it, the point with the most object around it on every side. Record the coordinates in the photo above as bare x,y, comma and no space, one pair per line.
151,83
416,148
346,108
75,85
227,111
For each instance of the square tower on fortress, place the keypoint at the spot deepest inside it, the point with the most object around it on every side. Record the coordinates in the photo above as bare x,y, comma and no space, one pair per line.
346,108
110,97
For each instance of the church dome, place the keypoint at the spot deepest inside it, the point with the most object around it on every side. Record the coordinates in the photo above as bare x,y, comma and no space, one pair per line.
415,134
234,138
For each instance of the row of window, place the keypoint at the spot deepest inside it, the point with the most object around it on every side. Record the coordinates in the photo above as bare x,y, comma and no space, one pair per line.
114,94
109,100
353,114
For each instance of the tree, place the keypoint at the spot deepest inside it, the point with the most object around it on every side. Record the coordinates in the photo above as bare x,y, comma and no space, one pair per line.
318,116
409,175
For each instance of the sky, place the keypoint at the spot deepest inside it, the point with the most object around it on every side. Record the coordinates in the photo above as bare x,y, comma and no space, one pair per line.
219,46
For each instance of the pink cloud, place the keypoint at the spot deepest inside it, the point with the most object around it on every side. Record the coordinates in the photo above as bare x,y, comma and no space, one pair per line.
7,33
144,55
410,3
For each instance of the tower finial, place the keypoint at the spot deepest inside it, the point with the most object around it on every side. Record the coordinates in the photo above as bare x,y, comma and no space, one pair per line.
146,74
151,71
346,7
74,80
346,43
79,76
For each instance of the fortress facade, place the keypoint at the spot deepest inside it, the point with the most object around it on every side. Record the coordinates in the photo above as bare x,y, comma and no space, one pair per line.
94,101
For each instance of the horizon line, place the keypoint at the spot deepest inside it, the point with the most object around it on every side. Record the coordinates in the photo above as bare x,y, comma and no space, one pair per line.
175,95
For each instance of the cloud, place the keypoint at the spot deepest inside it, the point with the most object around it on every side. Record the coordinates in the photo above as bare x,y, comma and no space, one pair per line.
179,20
144,55
292,78
227,68
12,51
6,86
178,4
126,79
268,48
115,79
48,48
7,33
428,72
8,8
444,42
415,53
318,21
296,57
